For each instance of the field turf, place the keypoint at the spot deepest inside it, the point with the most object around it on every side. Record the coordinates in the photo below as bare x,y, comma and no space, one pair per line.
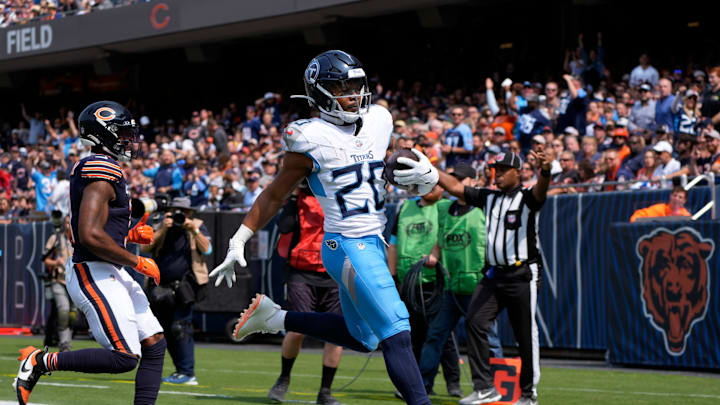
238,375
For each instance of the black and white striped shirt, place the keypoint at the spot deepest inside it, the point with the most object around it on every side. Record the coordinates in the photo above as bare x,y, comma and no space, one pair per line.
510,224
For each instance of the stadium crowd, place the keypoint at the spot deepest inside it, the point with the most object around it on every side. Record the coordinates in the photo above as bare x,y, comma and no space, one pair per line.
645,126
16,12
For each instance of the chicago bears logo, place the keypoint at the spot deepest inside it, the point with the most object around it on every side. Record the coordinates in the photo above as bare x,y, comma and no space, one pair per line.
674,282
105,113
312,71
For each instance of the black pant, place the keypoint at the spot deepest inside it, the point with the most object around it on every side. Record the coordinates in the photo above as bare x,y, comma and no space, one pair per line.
514,289
449,359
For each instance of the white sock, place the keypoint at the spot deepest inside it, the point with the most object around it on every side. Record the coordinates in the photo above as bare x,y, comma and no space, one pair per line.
277,320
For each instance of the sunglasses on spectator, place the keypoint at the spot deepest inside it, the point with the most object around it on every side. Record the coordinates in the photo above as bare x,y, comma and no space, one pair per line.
457,114
565,160
527,168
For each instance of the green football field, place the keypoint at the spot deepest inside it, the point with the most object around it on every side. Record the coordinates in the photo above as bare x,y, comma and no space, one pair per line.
236,374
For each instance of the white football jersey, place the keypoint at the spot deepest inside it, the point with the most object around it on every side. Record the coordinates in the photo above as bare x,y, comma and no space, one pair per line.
347,174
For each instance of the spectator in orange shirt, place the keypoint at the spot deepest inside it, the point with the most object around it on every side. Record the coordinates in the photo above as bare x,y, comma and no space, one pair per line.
620,139
675,207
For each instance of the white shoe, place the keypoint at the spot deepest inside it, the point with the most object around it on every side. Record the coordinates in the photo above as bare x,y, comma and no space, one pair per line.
255,318
485,396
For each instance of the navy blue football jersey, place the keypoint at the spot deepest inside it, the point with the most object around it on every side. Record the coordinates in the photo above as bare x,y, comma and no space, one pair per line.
99,168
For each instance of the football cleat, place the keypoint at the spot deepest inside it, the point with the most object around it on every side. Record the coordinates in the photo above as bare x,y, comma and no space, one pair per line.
255,318
278,391
28,374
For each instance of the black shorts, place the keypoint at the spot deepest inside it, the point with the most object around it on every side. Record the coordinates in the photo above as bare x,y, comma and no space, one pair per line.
303,297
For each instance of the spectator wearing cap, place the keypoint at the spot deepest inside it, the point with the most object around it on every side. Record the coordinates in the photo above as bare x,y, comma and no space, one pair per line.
195,131
668,164
167,177
634,161
499,138
252,182
530,122
614,170
464,267
662,133
45,181
710,159
269,104
686,112
269,170
538,143
573,107
644,73
620,139
642,115
711,98
146,131
458,145
252,125
663,106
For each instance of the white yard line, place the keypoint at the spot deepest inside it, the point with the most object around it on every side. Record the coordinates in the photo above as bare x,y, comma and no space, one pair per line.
638,393
194,394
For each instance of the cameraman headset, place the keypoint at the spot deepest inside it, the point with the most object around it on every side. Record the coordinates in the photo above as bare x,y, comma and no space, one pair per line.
181,242
57,250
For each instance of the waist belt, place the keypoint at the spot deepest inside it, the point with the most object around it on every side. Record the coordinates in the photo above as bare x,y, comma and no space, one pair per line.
515,265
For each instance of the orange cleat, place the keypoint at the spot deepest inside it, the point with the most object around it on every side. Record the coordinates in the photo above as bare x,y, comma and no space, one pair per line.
28,374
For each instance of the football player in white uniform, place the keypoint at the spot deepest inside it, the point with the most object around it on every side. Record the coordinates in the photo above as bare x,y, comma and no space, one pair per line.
342,156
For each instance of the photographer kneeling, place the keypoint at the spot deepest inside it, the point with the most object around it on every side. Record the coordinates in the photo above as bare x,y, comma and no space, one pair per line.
180,243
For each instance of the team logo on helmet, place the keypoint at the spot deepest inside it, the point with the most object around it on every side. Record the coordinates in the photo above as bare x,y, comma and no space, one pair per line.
312,71
105,113
674,282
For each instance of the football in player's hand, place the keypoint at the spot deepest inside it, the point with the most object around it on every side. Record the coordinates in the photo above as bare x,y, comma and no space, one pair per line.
391,164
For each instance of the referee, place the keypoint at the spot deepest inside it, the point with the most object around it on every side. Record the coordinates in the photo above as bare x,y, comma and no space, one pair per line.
512,271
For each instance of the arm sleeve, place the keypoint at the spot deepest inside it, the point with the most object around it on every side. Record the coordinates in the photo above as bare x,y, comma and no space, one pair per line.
150,172
467,137
492,103
476,196
177,179
530,200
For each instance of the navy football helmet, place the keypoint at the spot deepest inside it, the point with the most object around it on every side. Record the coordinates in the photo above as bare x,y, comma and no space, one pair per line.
333,75
109,127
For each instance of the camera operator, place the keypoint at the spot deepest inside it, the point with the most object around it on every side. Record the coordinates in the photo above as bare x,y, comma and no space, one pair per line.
57,250
180,243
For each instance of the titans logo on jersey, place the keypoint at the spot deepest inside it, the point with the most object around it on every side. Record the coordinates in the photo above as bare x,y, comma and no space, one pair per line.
99,168
347,173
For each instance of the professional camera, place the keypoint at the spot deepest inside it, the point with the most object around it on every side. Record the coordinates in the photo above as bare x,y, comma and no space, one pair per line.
178,217
139,206
56,217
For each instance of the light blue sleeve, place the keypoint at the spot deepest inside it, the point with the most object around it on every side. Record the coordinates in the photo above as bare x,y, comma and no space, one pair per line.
466,133
150,172
177,179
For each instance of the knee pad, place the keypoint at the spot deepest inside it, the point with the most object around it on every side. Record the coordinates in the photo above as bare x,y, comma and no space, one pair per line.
124,362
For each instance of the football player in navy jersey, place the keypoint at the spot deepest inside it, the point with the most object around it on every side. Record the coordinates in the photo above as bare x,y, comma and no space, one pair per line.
115,305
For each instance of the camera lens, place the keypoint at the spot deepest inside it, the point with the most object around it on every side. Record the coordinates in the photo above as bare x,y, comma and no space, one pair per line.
178,218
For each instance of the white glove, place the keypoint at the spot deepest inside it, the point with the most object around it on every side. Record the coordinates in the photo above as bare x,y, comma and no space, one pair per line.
235,253
421,172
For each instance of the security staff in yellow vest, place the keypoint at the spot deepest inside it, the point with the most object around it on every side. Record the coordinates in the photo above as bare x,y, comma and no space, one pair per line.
461,248
412,238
